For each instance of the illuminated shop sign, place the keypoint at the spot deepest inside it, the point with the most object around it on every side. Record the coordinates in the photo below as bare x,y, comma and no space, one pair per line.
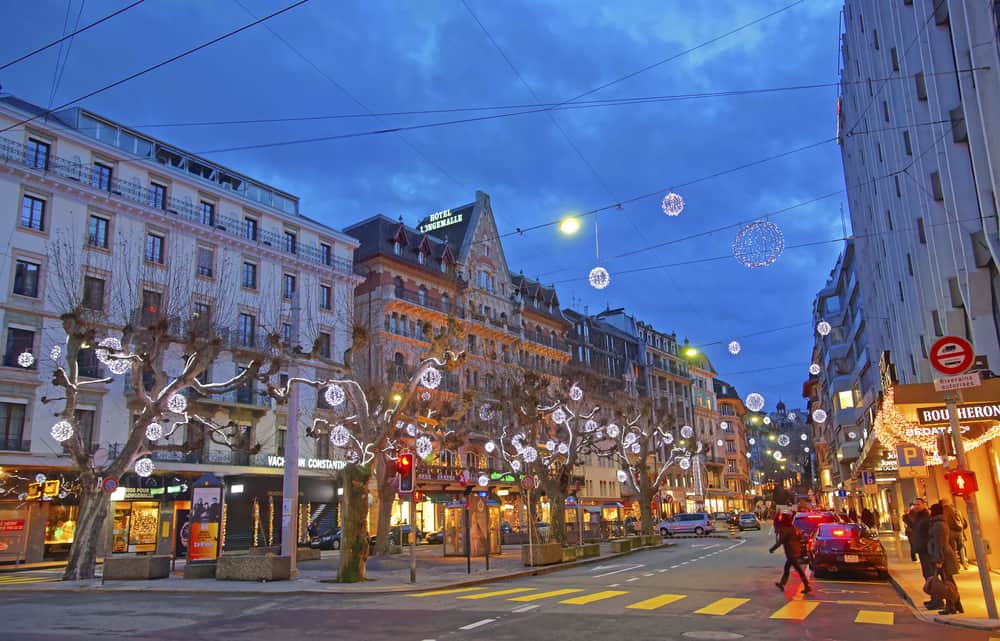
308,463
971,412
441,219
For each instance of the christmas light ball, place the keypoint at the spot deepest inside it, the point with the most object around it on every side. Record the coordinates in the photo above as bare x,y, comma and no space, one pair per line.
411,429
485,413
805,449
111,344
339,436
119,366
154,431
752,441
748,455
630,438
687,431
684,463
778,455
144,467
62,431
783,440
515,465
735,347
483,480
622,476
754,402
575,393
334,395
550,446
815,369
758,244
668,439
489,447
55,352
724,425
852,435
599,278
518,442
424,447
803,437
563,449
177,403
819,416
25,359
612,430
590,425
431,378
823,328
40,478
529,454
719,443
767,420
425,396
636,448
558,416
673,204
792,416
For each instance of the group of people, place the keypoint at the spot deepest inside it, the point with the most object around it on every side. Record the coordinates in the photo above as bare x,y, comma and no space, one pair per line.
937,539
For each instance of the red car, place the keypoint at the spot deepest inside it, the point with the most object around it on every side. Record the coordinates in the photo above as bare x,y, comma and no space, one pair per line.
807,522
846,547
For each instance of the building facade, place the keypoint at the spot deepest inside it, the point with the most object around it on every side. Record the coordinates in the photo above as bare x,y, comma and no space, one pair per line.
735,450
117,221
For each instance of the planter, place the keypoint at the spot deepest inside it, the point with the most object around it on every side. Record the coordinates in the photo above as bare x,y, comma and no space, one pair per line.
620,545
590,550
542,554
570,554
253,568
199,570
132,568
307,554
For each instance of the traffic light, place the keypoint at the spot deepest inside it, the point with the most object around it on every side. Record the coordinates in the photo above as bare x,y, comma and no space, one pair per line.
407,472
962,482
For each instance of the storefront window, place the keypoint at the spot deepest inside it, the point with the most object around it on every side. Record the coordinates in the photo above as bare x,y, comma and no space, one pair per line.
135,526
61,525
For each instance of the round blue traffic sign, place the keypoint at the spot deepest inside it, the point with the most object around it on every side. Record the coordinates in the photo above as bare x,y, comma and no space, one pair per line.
109,485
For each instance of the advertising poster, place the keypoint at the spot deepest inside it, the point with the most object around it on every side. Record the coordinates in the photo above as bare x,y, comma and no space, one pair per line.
182,533
204,519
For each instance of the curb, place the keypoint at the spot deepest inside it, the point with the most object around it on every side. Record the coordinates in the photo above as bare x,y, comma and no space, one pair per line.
556,567
928,617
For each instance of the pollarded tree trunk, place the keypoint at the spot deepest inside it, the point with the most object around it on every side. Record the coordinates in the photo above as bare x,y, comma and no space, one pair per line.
646,508
94,506
557,513
354,536
386,496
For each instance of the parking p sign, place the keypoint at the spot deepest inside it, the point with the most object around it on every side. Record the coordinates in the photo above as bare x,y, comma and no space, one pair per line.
911,461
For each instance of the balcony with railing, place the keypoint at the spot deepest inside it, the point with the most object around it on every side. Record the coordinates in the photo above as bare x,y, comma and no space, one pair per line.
13,152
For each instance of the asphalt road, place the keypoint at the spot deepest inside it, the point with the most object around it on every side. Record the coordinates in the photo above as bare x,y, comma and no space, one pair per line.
700,589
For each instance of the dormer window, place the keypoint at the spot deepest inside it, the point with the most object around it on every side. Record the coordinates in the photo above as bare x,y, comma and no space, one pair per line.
550,308
397,249
444,266
421,257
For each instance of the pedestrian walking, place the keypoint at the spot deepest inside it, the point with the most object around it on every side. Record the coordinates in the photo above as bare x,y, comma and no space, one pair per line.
945,561
868,518
853,515
921,525
788,537
908,525
956,528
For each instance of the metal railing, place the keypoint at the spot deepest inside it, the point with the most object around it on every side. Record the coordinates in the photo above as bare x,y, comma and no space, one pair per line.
185,209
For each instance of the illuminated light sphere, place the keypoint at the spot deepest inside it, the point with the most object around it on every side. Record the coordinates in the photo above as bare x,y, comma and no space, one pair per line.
40,478
749,455
685,463
111,343
25,359
489,447
518,442
754,402
550,446
783,440
599,433
154,431
177,403
411,429
575,393
425,396
823,328
558,416
630,438
599,278
483,480
852,435
563,449
792,416
144,467
735,347
119,366
62,431
23,496
485,413
819,416
613,430
758,244
815,369
805,449
636,448
778,455
687,431
767,420
339,436
719,443
515,465
803,437
55,352
352,456
724,425
424,447
63,494
668,438
102,355
590,425
529,454
673,204
334,395
431,378
622,476
752,441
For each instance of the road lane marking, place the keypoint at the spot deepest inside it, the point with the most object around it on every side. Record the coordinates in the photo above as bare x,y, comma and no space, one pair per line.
451,591
722,607
545,595
473,626
525,608
656,602
874,616
796,610
596,596
634,567
487,595
614,585
635,578
606,567
648,574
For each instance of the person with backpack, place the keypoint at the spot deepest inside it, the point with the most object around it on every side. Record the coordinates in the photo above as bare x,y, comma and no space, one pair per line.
789,538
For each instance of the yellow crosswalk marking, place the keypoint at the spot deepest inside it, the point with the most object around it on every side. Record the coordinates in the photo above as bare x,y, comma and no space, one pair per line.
545,595
487,595
596,596
656,602
452,591
796,610
874,616
22,579
722,607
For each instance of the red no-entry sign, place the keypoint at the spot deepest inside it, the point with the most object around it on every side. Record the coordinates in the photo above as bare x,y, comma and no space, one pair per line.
952,355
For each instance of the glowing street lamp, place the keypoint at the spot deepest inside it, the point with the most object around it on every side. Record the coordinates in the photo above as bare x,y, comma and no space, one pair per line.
569,225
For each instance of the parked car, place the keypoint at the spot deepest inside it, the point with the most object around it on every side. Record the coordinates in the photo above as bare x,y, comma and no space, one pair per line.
723,516
400,535
839,547
434,537
330,540
748,521
689,523
807,522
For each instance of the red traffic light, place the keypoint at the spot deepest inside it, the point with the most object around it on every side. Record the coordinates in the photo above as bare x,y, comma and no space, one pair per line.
407,473
962,482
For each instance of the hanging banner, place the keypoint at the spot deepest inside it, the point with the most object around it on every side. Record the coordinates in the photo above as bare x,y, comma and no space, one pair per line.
205,518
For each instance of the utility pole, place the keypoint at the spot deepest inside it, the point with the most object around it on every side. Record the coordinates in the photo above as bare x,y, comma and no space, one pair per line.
290,481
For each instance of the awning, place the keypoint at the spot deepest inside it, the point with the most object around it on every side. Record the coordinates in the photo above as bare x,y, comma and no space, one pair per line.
612,506
437,497
591,508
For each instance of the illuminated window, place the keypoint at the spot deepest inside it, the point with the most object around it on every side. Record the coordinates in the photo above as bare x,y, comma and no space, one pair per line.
846,399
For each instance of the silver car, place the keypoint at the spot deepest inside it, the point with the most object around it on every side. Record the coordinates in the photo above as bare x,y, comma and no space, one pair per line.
692,523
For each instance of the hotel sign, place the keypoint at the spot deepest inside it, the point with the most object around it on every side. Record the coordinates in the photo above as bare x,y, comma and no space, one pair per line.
437,220
939,415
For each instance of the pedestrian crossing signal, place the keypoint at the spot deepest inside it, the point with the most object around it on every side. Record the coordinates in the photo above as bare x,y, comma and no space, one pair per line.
962,482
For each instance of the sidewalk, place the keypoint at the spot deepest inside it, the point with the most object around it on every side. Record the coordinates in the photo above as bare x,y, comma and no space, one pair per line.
385,575
907,578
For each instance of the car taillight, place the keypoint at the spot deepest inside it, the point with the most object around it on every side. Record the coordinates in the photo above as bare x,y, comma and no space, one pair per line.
838,532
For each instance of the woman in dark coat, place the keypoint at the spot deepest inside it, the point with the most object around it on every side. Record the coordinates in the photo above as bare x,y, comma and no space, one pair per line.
943,556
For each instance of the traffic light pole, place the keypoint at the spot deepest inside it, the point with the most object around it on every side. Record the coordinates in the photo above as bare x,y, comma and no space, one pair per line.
413,537
982,561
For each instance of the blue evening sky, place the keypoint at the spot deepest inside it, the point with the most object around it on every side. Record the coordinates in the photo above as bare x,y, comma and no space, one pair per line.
333,57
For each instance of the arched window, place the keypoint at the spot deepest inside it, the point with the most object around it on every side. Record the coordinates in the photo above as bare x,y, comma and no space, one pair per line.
399,367
552,339
503,318
397,286
538,334
444,303
422,294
